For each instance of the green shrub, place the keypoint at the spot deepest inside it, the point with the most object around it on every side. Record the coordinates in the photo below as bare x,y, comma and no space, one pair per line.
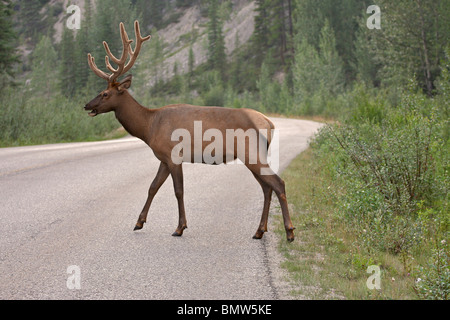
434,280
388,160
37,120
214,96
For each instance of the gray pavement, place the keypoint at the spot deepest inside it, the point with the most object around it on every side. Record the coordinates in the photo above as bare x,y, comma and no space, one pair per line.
76,204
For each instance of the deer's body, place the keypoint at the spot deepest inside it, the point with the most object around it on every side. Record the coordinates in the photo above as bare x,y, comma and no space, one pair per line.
156,128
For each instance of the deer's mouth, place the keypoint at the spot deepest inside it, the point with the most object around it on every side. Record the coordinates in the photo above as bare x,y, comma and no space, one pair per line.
93,111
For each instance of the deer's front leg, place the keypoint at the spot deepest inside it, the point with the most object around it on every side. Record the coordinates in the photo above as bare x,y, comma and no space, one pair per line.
177,176
161,176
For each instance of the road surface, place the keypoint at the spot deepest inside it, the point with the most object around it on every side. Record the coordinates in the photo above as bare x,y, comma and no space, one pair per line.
68,212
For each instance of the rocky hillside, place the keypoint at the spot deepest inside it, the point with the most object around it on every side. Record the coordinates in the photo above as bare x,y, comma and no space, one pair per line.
241,22
178,36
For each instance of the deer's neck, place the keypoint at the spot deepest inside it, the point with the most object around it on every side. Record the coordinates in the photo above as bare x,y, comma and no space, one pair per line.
135,118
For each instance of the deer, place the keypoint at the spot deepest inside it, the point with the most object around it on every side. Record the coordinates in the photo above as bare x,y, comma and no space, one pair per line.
155,127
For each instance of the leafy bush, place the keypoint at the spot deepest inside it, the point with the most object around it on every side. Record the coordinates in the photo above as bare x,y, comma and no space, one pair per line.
214,96
434,283
389,160
37,120
212,89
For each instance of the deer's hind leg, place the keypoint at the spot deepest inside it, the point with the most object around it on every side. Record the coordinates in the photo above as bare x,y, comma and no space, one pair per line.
177,176
271,179
267,190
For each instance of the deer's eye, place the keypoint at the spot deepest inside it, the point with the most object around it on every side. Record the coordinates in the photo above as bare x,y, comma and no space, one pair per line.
105,94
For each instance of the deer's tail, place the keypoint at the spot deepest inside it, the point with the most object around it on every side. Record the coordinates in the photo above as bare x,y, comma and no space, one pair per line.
270,132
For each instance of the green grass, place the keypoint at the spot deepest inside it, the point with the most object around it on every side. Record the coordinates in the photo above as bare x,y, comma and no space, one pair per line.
325,258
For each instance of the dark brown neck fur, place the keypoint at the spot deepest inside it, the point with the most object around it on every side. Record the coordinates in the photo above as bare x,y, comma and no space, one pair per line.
135,118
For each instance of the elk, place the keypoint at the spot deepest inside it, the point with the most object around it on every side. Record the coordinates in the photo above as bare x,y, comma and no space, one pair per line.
156,127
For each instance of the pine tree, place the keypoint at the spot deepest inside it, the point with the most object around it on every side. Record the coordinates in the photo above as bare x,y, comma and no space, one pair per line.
411,41
156,63
261,32
269,90
29,14
44,74
176,79
93,83
185,3
67,76
343,17
83,44
345,26
75,75
152,13
318,74
332,75
306,76
191,65
277,36
366,65
8,56
216,42
273,30
236,76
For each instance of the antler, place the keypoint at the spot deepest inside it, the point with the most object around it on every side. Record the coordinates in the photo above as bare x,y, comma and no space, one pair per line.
134,53
127,50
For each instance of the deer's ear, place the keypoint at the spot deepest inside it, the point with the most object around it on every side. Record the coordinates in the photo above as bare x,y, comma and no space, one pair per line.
125,84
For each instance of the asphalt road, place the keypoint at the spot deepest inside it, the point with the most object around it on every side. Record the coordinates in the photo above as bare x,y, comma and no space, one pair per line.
76,204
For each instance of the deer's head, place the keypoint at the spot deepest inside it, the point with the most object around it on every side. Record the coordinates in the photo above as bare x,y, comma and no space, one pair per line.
109,99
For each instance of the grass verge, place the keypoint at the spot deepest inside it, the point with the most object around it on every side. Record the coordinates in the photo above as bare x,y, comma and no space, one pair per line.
325,261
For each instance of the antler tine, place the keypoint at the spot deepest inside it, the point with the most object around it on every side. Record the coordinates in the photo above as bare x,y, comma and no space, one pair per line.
127,50
96,70
120,62
135,53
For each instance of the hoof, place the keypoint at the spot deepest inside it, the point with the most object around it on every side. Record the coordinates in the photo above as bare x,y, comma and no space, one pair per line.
258,235
138,226
290,235
178,233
